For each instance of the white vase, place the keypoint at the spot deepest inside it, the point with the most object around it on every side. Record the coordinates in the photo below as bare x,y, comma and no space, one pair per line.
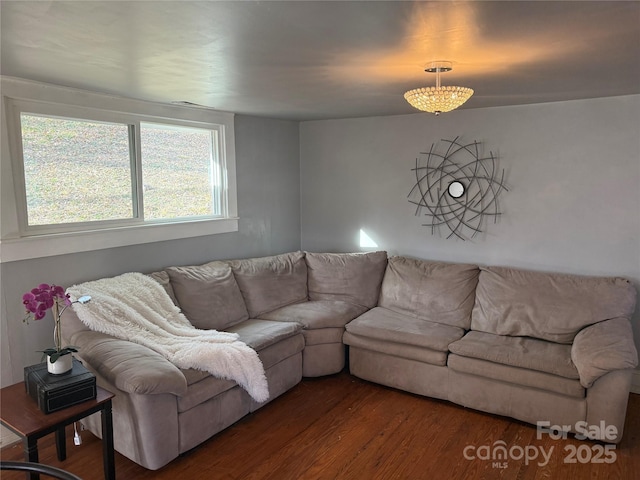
62,365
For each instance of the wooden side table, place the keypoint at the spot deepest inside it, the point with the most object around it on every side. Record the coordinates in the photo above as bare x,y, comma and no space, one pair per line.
20,413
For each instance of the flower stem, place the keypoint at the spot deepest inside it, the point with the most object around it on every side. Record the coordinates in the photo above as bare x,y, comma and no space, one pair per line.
56,331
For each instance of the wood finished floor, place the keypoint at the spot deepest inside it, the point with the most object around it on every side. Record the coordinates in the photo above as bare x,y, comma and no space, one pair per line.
340,427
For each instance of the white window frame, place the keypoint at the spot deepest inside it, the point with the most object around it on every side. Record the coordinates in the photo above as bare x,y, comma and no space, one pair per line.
20,241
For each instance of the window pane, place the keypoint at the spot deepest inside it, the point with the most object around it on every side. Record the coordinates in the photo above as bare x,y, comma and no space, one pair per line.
179,172
75,170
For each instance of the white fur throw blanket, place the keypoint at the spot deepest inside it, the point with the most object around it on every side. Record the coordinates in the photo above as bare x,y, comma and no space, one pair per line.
135,307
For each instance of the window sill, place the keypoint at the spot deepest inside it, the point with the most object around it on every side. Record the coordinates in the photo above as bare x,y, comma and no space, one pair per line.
24,248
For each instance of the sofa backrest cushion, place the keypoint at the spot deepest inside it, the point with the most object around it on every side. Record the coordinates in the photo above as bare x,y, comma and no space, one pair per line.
268,283
208,295
549,306
350,277
434,291
162,277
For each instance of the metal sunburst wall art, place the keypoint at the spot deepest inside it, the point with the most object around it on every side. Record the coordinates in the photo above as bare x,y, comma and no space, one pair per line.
457,188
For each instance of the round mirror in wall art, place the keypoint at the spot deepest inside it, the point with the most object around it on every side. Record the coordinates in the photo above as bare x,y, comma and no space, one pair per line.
456,189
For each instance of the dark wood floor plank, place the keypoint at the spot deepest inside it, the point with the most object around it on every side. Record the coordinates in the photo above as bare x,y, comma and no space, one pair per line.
340,427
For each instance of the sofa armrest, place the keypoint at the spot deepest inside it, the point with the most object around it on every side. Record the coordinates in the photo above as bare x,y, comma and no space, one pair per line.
130,367
603,347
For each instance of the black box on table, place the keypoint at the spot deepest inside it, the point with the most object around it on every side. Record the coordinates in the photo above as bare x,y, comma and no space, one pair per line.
55,392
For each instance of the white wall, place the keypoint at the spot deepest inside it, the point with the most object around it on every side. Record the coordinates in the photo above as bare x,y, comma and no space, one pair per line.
572,168
267,166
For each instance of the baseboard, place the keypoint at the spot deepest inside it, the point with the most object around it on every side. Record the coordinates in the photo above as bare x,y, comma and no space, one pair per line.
635,381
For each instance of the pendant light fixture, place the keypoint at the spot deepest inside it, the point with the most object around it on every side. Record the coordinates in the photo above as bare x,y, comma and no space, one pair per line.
438,99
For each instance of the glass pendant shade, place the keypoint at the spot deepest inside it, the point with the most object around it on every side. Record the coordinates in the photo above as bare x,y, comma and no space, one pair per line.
438,99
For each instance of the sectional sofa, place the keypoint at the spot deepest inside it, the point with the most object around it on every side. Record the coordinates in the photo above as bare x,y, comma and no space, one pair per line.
538,347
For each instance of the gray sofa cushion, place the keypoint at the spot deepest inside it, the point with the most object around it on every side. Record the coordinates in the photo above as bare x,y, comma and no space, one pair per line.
434,291
516,375
274,342
317,314
194,376
530,353
162,277
203,390
260,334
269,283
323,336
400,350
602,348
549,306
208,295
350,277
383,324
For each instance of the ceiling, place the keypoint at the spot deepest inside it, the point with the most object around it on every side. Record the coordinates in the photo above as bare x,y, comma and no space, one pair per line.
307,60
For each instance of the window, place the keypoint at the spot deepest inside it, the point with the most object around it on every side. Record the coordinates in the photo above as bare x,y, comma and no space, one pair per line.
181,174
85,176
78,171
75,171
